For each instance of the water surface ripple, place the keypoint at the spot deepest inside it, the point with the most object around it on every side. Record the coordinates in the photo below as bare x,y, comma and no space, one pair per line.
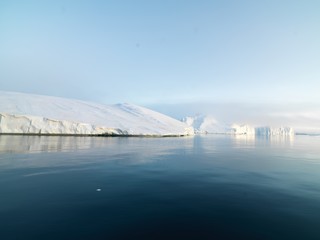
202,187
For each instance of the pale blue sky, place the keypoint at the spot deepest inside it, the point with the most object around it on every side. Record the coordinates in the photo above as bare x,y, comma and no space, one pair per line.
163,51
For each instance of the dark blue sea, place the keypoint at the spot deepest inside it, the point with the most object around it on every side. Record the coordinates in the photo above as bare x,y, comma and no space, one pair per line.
202,187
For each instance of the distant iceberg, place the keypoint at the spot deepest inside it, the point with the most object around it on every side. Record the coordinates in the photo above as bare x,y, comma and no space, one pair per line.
205,124
242,129
274,131
209,125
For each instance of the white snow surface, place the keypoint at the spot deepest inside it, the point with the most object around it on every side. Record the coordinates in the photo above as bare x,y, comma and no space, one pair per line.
36,114
207,124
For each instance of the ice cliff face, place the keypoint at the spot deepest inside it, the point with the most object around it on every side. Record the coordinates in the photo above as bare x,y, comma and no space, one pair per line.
35,114
207,124
23,124
269,131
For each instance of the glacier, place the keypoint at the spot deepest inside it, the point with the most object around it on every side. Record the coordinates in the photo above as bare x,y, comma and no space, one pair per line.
22,113
204,124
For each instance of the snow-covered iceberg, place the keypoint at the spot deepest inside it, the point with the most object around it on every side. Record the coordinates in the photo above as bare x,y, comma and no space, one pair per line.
207,124
35,114
242,129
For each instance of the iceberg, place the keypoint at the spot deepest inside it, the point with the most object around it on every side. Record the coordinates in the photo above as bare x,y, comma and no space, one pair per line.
205,124
209,125
274,131
242,129
36,114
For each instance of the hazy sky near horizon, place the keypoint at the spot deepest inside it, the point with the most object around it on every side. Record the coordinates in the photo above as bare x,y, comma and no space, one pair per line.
163,51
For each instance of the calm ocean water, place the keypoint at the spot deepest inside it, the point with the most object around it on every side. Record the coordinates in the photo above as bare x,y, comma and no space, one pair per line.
202,187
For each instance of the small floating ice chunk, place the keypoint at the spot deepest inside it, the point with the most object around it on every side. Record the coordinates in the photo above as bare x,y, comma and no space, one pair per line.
98,190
